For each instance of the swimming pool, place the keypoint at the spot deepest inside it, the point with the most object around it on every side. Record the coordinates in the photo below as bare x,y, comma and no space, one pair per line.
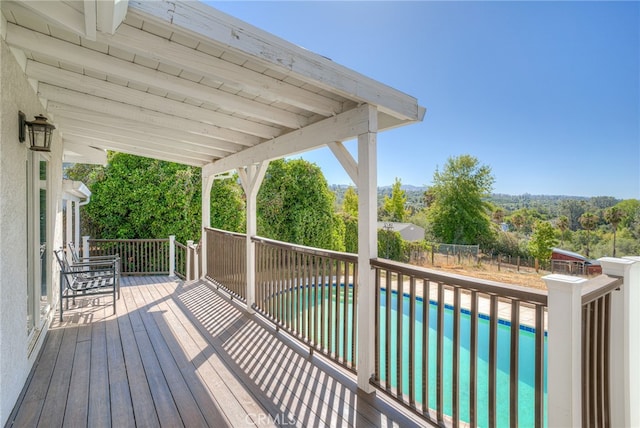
526,362
309,305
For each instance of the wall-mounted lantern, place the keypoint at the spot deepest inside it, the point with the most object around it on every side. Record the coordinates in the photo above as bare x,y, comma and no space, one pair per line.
40,132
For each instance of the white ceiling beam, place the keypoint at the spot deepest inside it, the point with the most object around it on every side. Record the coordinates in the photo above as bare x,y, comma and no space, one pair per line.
117,123
90,19
80,153
110,14
342,127
126,111
236,76
59,14
77,127
103,89
138,151
202,21
92,60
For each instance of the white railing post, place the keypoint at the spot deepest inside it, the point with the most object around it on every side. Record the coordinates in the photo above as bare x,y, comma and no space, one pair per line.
367,250
188,272
564,344
624,351
85,247
172,255
196,262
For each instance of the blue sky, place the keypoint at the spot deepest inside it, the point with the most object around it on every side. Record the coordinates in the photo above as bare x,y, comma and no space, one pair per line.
545,93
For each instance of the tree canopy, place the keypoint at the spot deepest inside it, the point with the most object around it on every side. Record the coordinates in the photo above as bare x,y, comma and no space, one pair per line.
136,197
459,212
295,205
393,208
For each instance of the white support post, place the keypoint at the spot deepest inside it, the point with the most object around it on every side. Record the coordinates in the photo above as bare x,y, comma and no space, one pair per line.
564,359
367,250
68,205
76,224
207,183
251,178
188,272
196,262
625,341
85,247
172,256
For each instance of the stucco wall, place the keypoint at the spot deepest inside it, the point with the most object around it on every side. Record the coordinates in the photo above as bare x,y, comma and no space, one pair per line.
15,360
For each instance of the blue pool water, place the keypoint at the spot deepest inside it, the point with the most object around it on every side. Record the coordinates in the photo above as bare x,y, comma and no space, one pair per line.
319,301
526,363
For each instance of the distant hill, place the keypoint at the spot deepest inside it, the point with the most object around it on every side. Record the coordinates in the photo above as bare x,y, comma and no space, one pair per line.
544,203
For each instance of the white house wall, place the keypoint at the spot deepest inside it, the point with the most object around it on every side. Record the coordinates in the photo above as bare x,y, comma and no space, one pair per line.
17,350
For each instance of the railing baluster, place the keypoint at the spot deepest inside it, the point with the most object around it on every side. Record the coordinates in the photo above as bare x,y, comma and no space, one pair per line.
337,313
493,359
345,314
399,344
426,306
539,350
388,331
473,359
376,337
513,363
412,341
455,401
354,317
440,356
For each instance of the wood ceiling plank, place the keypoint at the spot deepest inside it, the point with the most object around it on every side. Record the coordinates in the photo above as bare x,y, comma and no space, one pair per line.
96,62
117,92
138,114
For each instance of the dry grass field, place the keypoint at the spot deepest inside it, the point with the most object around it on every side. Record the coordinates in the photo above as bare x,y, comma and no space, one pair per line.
505,273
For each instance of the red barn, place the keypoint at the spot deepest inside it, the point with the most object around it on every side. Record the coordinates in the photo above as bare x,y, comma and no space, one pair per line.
573,263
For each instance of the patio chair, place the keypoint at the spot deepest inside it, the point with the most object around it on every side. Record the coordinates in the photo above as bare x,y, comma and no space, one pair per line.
75,257
100,277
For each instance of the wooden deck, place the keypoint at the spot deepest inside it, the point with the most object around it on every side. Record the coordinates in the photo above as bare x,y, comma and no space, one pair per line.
185,354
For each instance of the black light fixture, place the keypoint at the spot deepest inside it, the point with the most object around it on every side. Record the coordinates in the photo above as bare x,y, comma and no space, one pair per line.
40,132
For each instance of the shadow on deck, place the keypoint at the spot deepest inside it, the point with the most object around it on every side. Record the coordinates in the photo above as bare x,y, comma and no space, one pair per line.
185,354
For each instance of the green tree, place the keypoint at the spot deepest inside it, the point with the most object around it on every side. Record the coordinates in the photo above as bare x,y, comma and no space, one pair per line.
350,202
563,225
613,216
589,221
393,208
349,216
390,245
542,242
573,209
228,210
518,221
459,212
295,205
137,197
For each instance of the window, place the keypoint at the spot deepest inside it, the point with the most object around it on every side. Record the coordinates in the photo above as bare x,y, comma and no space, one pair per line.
38,242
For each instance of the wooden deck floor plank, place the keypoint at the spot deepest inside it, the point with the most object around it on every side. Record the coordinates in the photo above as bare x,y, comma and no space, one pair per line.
282,365
181,350
199,304
99,403
163,345
36,390
194,375
76,412
236,403
350,407
252,408
57,396
119,392
143,407
167,412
